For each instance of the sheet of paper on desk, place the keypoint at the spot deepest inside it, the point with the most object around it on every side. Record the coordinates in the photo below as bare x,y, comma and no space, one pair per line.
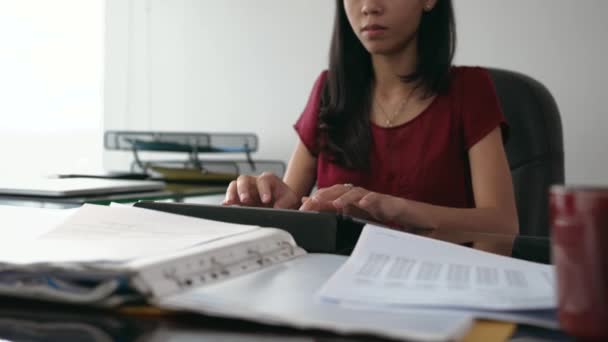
115,234
28,223
395,269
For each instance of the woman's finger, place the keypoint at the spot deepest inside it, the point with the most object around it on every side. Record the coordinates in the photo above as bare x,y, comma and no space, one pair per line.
231,194
265,184
378,206
332,193
246,189
311,204
350,197
354,211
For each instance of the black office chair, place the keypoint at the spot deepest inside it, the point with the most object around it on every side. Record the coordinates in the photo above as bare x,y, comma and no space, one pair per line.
535,148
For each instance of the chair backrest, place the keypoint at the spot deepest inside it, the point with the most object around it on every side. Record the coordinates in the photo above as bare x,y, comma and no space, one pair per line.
535,147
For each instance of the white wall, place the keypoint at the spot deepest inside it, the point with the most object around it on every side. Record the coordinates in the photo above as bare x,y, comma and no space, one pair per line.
51,68
190,65
563,44
219,66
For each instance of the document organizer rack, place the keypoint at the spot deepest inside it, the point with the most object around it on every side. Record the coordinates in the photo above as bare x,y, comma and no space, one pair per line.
193,144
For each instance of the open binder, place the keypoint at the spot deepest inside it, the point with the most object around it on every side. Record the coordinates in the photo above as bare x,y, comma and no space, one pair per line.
108,256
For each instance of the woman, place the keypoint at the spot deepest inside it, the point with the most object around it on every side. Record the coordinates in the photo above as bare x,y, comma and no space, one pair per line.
393,132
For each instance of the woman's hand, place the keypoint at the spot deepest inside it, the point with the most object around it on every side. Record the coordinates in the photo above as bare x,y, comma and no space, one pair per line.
265,190
355,201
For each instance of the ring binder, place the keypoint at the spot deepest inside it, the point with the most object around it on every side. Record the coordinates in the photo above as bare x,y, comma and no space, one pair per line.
197,269
134,254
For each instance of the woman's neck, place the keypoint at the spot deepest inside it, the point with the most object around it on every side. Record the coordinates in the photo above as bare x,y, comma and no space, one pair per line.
389,68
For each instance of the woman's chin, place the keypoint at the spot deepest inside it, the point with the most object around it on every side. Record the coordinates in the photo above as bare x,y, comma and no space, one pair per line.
381,49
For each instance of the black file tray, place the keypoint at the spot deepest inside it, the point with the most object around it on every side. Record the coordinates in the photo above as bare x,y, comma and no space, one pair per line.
315,232
189,142
194,145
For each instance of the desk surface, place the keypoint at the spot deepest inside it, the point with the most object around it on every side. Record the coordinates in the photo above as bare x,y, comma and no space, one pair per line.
31,321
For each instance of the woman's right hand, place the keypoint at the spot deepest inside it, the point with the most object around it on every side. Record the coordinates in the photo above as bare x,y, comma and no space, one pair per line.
265,190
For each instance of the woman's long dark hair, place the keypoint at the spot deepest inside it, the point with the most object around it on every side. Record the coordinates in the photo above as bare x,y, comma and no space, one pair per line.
345,106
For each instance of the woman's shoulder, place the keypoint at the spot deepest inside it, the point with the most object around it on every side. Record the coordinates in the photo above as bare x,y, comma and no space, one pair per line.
470,76
322,77
318,86
307,123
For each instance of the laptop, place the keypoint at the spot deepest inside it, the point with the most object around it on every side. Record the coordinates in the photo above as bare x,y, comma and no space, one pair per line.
72,187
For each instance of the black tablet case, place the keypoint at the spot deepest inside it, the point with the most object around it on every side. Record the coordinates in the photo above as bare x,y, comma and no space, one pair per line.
315,232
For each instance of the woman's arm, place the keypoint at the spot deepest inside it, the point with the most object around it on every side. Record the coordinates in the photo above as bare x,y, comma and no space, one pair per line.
301,171
494,211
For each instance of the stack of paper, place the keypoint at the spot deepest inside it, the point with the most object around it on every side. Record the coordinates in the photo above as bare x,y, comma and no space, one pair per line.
94,254
391,270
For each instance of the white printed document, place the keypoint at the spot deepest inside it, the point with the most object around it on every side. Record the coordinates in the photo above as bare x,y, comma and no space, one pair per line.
112,234
395,269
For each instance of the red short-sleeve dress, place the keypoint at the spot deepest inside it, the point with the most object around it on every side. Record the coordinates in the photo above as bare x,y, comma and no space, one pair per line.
424,159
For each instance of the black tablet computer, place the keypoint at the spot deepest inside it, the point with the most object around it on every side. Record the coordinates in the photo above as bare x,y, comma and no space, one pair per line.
316,232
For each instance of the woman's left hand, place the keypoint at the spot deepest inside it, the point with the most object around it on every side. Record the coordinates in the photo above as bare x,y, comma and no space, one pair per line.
355,201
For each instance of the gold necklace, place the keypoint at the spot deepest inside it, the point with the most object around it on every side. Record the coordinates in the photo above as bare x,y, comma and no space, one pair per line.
398,110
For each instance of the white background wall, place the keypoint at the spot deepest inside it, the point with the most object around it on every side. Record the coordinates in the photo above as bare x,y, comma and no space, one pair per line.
188,65
230,65
563,44
51,70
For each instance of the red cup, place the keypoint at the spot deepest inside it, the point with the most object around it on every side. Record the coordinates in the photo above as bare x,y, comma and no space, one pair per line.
579,229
